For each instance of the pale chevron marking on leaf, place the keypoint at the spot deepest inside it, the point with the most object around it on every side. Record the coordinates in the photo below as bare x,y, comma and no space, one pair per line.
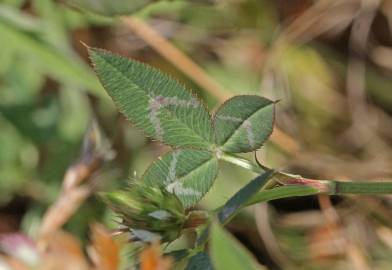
230,118
158,102
154,107
160,214
247,125
179,189
165,101
172,183
171,176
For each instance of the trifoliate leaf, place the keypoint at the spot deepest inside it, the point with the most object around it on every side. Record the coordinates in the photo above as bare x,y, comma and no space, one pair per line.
187,173
155,103
244,123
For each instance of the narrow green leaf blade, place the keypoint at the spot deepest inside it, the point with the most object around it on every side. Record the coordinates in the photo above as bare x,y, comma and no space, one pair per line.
244,123
155,103
200,261
241,198
281,192
186,172
228,253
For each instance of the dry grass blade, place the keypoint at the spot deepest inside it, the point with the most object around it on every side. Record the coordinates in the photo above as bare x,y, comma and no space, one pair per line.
94,152
339,239
106,252
62,251
263,225
66,205
175,56
151,259
363,121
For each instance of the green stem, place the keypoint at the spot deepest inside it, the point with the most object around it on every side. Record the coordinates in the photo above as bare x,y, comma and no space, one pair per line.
361,187
330,187
249,165
242,162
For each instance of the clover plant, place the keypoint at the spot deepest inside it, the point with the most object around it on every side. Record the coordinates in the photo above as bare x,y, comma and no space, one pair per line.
160,206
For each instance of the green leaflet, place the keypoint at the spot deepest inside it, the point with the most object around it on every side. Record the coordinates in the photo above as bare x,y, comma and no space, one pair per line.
188,173
244,123
155,103
228,253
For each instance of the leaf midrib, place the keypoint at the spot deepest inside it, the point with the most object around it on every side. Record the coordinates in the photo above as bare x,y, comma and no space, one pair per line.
195,169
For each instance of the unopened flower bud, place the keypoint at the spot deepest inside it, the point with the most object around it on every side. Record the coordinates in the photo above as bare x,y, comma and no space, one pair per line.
149,213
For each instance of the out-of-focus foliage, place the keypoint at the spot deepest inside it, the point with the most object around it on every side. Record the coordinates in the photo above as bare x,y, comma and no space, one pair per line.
44,105
111,8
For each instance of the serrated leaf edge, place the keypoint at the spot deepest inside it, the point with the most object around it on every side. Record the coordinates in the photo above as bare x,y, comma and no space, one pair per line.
193,94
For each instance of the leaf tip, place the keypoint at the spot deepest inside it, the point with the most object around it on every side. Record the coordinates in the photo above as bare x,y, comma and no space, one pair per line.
93,52
277,101
85,45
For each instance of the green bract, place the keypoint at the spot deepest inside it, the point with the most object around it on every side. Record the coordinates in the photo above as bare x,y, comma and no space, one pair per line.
244,123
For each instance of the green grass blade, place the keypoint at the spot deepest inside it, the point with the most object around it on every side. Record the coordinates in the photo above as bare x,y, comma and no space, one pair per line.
281,192
242,196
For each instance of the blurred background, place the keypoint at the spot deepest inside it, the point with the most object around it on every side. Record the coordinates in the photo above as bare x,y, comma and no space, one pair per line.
329,62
